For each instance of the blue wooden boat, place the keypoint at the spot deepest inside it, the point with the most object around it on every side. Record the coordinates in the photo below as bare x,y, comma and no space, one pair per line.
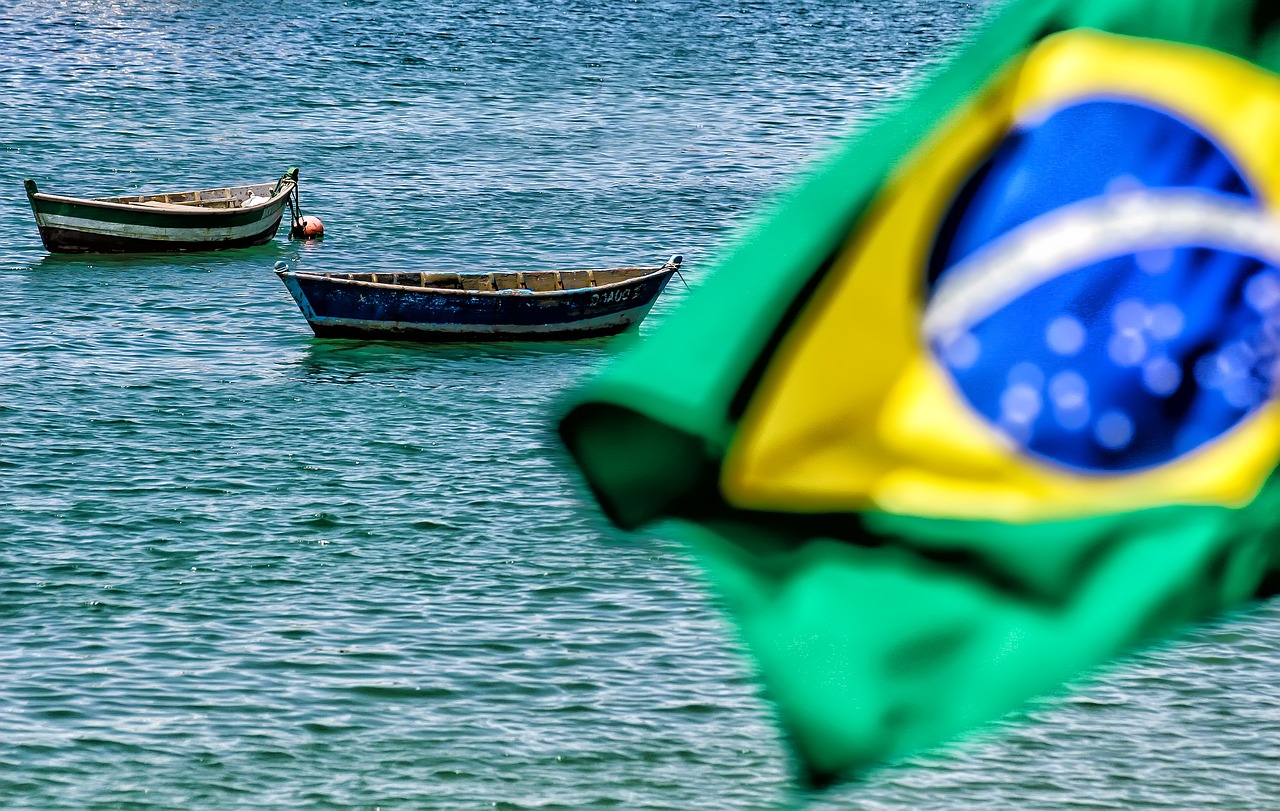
539,305
208,219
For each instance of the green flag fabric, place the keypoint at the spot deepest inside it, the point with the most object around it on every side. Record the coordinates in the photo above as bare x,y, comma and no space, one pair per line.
990,398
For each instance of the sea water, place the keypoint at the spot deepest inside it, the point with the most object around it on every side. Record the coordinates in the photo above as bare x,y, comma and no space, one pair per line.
241,567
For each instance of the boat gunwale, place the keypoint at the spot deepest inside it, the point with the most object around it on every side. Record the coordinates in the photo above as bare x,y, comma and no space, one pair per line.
285,189
508,293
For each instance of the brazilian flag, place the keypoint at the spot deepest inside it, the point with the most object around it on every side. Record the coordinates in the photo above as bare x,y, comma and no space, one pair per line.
990,398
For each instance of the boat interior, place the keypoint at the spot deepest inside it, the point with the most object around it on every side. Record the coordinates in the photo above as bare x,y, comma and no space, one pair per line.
229,197
544,281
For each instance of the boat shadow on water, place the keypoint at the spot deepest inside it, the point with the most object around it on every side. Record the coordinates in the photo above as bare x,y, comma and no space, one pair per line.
257,255
347,361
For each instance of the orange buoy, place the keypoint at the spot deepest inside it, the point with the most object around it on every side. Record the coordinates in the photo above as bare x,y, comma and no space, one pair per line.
310,227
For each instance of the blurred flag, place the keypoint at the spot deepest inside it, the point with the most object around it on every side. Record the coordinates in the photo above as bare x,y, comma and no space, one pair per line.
991,397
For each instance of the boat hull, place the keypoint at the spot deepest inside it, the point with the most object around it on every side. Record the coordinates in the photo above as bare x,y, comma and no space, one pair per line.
71,240
336,308
131,225
72,228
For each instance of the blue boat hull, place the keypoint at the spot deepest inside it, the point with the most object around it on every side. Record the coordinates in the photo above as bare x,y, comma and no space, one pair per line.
341,308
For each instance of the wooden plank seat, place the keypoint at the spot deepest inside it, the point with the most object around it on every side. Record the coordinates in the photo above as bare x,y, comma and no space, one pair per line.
505,281
541,281
577,279
478,282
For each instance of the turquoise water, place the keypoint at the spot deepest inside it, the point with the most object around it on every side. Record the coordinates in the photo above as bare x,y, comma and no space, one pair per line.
242,567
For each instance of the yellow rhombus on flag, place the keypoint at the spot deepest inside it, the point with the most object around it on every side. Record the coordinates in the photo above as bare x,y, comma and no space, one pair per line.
991,398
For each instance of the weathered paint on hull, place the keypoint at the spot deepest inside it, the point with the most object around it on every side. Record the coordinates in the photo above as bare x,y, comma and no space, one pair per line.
337,310
65,240
402,331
